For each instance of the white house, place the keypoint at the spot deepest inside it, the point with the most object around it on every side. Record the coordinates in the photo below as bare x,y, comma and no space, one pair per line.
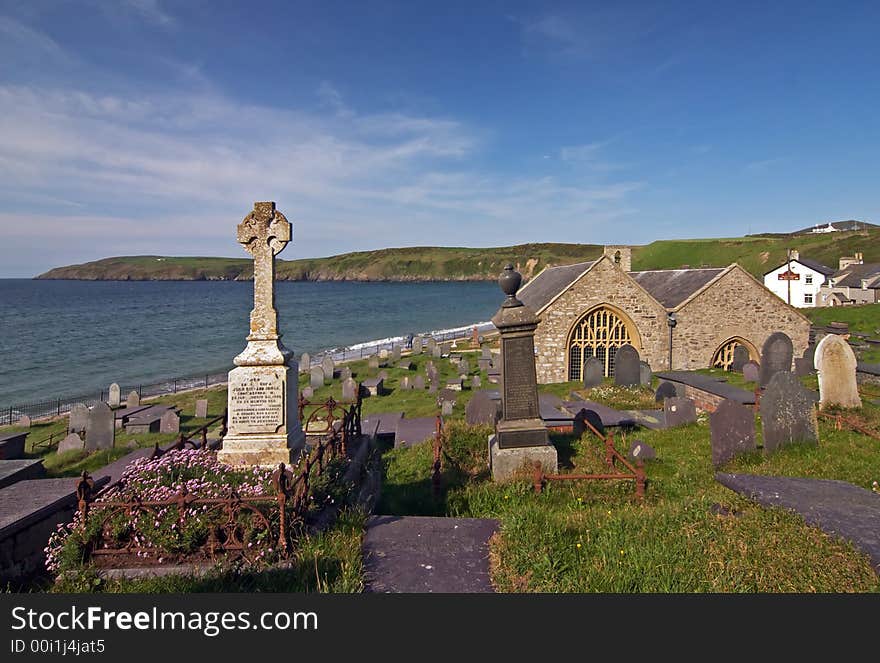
798,281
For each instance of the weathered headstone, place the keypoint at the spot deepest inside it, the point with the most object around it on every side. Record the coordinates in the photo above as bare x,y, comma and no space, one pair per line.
776,356
430,345
836,363
476,383
308,392
305,363
584,417
419,383
114,398
639,450
383,375
316,377
464,367
202,408
405,383
24,421
788,413
79,417
740,357
751,371
679,412
383,353
417,345
349,390
664,391
802,367
70,443
263,427
484,364
345,373
395,354
627,371
645,374
434,385
482,410
100,428
134,399
329,366
437,352
594,372
448,395
170,422
446,408
732,430
405,365
486,353
373,363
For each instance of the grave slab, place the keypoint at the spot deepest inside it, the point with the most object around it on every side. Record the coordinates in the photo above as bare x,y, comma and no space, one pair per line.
414,431
21,469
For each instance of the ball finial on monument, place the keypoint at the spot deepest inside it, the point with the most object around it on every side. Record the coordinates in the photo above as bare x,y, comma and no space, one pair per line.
510,280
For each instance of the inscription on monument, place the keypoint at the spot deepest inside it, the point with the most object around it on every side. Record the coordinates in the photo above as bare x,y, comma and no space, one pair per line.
257,403
519,380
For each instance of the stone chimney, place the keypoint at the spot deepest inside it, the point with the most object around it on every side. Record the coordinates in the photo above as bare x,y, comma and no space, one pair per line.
846,261
620,256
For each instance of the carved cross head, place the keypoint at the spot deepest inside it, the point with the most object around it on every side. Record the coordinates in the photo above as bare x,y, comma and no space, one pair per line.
264,227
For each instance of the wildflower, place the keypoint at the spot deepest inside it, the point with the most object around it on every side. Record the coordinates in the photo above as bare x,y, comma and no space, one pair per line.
578,545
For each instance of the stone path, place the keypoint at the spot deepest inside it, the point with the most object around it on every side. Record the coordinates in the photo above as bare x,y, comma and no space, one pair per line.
417,554
836,507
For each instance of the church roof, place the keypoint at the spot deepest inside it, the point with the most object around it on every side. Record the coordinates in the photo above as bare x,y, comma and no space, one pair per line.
671,287
538,292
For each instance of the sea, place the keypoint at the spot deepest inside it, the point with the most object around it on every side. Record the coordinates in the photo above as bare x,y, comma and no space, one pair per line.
60,339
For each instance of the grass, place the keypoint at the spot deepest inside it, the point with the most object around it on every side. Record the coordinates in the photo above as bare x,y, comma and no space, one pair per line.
864,319
596,537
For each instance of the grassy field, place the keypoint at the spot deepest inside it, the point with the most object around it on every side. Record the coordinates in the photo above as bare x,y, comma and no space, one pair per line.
756,254
863,319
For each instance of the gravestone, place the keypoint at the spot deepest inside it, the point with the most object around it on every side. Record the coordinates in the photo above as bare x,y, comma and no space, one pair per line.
405,384
431,345
114,398
751,371
329,366
437,352
448,395
679,411
305,363
79,417
802,367
486,353
202,408
405,365
645,374
345,373
24,422
417,345
429,366
484,364
586,416
395,354
100,428
133,400
639,450
374,386
664,391
446,408
464,367
70,443
788,413
308,392
419,383
836,363
373,363
170,422
482,410
263,427
594,372
316,377
627,370
776,356
383,353
454,385
740,357
732,431
349,390
435,384
476,383
383,375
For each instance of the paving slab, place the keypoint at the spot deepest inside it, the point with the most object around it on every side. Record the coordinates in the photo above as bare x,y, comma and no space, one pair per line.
27,502
836,507
709,384
419,554
414,431
385,423
13,471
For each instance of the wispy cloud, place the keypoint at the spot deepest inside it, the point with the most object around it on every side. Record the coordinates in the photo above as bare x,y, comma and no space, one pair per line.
763,165
151,11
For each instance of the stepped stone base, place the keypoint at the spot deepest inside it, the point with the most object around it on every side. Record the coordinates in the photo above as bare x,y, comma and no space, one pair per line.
507,464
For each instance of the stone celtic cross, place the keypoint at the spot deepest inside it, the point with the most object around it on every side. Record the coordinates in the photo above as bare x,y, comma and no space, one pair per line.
264,233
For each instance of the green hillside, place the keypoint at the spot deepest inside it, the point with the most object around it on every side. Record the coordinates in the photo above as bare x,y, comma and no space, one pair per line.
757,254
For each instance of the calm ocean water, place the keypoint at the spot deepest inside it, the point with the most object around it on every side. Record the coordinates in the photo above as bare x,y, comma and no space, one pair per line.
66,338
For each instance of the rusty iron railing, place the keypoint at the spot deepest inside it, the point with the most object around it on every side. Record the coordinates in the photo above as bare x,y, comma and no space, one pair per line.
185,440
436,467
331,416
839,421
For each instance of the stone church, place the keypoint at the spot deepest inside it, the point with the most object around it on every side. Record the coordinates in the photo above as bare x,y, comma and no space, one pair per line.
696,317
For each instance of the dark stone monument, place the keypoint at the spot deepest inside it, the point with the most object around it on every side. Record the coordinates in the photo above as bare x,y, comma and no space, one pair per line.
679,412
482,409
802,367
586,416
100,428
520,436
202,408
627,371
776,356
639,450
751,371
740,357
732,427
664,391
645,374
788,413
594,372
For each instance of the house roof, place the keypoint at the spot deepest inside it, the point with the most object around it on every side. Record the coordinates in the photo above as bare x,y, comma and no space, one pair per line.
671,287
815,265
839,296
538,292
852,276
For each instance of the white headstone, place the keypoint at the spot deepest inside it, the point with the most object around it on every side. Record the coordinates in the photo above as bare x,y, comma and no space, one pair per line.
114,398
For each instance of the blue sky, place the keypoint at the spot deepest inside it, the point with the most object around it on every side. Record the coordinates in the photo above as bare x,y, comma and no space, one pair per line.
133,127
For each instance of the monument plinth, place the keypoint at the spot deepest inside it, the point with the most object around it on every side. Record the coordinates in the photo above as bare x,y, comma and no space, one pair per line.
263,426
520,435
